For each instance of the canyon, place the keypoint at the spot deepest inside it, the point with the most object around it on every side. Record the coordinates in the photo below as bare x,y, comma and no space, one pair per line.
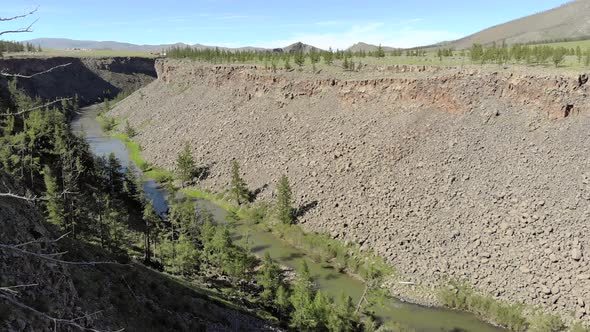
476,174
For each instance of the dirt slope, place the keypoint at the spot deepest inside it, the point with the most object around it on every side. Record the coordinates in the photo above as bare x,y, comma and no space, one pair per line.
102,297
569,20
478,175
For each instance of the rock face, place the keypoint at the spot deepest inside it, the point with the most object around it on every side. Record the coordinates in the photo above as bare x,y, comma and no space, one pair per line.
478,175
92,79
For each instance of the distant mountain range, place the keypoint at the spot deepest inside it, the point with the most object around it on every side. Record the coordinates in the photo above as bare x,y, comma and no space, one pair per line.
571,20
64,44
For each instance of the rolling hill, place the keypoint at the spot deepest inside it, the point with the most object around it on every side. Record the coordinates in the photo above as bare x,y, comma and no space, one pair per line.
64,43
360,47
571,20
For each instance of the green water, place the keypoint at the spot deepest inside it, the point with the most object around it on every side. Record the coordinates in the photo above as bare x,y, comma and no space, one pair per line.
421,319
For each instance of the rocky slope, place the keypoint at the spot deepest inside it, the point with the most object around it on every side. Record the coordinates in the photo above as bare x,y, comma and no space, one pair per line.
92,79
569,20
101,297
479,175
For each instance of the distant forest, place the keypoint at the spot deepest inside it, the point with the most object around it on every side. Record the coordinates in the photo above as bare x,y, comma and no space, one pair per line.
12,46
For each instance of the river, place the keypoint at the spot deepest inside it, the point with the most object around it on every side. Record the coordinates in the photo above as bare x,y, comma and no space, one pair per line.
419,318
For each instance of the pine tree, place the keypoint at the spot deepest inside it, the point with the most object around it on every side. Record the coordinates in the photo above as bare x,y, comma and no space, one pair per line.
238,187
129,131
329,56
558,56
380,52
150,219
281,301
299,59
55,206
303,315
285,211
185,164
343,317
269,277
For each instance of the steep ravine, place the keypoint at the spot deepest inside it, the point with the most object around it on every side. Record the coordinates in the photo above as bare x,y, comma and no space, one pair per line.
478,175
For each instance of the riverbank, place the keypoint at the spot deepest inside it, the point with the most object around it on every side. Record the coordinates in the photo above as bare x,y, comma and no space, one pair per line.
491,309
329,256
345,258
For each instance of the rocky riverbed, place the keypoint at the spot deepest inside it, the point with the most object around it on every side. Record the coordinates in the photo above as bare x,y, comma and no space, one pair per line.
479,175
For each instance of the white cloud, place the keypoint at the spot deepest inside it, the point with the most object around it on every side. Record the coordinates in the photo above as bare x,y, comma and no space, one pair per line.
372,33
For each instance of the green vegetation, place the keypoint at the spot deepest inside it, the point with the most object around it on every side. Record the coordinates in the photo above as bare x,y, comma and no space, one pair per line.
571,55
158,174
285,211
185,164
461,297
14,47
238,188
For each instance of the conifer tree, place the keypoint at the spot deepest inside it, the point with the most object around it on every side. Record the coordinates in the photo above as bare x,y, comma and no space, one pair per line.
269,277
150,219
238,187
285,211
303,315
281,301
380,52
185,164
299,59
55,207
328,56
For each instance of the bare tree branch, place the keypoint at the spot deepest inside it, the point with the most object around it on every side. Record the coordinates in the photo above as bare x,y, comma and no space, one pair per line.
56,321
36,107
9,194
42,241
4,19
25,198
21,30
3,73
51,259
11,289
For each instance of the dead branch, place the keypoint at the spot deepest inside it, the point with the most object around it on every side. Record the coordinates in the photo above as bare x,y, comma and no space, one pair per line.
3,73
50,258
11,289
21,30
42,241
4,19
36,107
56,321
25,198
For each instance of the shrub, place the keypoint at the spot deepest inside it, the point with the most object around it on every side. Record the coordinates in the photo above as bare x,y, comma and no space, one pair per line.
108,124
547,323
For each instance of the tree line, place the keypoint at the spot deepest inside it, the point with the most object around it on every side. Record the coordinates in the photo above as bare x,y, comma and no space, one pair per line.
526,54
273,60
13,47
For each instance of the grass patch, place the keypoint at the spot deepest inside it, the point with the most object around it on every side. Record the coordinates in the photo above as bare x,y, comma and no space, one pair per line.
320,247
511,316
158,174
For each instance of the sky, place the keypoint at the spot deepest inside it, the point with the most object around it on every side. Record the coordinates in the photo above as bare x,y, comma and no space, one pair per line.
237,23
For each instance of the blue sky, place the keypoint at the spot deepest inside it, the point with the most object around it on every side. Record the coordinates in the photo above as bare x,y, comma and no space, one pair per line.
235,23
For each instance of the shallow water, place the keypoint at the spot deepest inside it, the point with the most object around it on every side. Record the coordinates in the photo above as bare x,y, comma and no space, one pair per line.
422,319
